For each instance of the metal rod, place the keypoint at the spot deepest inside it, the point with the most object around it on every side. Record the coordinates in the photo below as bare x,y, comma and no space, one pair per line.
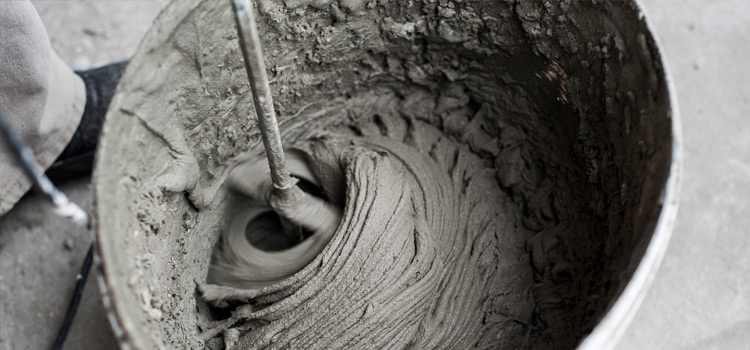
24,155
256,73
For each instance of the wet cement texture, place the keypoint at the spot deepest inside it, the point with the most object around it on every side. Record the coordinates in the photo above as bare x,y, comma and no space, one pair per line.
539,129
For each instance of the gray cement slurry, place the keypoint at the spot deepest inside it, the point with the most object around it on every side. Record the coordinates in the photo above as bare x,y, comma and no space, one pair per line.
551,164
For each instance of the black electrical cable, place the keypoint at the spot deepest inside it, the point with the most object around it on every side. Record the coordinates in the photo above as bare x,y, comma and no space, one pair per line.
61,205
75,300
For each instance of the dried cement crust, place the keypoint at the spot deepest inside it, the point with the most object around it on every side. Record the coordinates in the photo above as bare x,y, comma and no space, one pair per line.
559,110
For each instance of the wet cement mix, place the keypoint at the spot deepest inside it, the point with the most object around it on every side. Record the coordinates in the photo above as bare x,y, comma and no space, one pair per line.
476,183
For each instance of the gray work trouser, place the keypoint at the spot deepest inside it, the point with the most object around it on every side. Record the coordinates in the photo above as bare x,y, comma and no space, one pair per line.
40,96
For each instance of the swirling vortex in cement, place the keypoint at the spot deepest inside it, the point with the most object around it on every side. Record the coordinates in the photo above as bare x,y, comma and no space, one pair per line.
416,261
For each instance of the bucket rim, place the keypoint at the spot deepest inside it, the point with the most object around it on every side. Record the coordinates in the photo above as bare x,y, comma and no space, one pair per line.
612,326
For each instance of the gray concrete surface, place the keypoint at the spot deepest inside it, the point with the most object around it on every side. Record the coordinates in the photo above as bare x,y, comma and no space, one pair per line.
91,33
701,295
40,256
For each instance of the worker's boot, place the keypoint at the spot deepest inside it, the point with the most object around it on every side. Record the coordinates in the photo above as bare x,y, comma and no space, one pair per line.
78,156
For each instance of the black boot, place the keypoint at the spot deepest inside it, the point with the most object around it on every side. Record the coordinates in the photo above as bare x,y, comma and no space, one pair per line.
78,156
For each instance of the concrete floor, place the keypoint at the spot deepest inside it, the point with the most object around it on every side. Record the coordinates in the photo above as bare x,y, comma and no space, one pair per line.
701,295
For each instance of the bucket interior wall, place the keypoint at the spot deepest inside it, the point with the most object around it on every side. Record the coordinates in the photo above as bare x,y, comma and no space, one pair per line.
579,134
